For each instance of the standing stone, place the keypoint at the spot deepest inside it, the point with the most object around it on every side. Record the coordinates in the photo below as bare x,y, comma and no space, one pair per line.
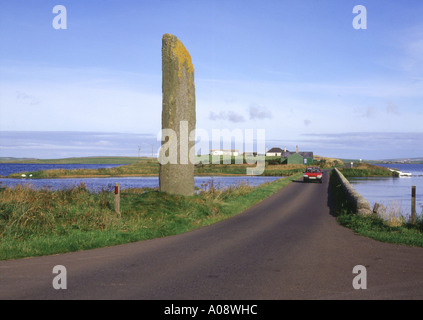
178,114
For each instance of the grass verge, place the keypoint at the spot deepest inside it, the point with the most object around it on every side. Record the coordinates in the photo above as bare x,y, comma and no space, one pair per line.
42,222
375,226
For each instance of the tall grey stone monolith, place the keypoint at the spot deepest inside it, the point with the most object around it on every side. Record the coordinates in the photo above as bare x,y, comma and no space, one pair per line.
176,173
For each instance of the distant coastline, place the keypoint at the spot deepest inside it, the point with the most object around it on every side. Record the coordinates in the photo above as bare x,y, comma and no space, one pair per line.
130,160
75,160
418,160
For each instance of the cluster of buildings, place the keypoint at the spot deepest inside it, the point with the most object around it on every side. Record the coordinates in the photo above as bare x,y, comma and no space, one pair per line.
287,157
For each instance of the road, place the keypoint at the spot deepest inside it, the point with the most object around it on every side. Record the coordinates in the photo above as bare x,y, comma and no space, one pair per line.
286,247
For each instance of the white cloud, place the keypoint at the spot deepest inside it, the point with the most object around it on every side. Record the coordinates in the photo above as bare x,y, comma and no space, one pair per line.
226,116
303,107
258,112
104,101
54,144
83,101
412,46
27,98
392,108
404,54
366,112
364,145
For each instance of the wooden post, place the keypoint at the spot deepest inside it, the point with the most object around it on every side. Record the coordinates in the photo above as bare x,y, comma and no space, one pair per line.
117,198
376,208
413,204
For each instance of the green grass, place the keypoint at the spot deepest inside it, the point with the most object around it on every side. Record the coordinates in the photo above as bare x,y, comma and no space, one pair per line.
144,167
375,226
43,222
149,167
366,170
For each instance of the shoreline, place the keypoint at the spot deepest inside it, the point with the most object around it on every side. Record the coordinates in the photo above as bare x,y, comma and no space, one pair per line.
140,175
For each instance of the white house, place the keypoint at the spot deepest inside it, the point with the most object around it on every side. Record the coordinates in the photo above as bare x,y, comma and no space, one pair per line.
274,152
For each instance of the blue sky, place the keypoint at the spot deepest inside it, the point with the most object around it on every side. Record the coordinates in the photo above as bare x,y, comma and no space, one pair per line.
297,69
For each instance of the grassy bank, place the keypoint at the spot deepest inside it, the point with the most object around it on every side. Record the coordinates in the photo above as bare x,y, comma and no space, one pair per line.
141,167
241,169
150,167
366,170
381,227
43,222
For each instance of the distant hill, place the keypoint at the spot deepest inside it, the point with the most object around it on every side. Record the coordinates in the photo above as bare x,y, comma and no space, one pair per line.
12,159
83,160
402,160
397,160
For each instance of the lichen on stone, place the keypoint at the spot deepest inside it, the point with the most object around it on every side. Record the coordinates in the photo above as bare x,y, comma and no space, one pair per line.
180,53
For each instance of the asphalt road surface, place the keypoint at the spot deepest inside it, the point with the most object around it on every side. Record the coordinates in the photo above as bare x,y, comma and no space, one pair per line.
287,247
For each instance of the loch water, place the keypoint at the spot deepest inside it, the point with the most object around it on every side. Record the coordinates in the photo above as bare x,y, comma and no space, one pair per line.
394,192
99,184
9,168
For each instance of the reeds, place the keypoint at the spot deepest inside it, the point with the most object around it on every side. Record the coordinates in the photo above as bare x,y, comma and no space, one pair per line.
25,210
392,214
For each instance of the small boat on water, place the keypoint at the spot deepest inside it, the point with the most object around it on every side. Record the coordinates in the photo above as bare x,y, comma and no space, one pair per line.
400,173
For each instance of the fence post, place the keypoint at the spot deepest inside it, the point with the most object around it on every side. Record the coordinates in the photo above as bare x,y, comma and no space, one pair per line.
117,198
413,204
376,208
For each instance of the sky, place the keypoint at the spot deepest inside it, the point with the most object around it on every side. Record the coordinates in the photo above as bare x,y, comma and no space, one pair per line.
299,70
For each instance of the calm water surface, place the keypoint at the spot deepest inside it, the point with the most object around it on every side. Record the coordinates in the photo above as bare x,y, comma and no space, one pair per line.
393,191
98,184
9,168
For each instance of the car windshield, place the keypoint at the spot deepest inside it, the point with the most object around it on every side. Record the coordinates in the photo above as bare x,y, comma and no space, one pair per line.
313,170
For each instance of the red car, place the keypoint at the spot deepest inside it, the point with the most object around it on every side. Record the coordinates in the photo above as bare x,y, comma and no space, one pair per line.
313,174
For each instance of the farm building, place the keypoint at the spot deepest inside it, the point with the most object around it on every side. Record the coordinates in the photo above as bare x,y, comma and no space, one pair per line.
296,157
